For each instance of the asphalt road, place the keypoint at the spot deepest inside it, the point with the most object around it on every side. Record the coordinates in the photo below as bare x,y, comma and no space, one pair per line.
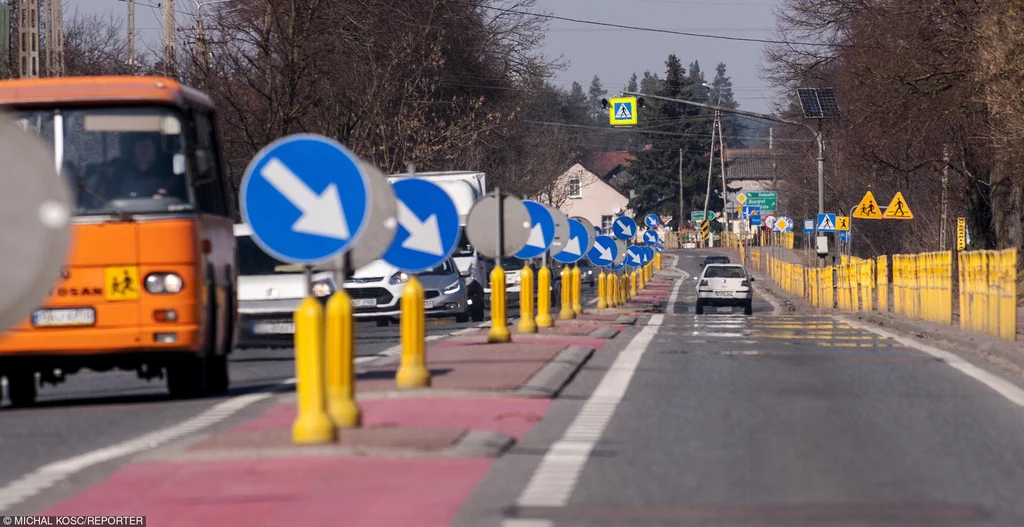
95,410
775,419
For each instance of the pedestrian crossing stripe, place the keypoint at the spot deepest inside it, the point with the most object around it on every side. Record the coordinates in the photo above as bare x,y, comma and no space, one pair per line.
826,224
622,112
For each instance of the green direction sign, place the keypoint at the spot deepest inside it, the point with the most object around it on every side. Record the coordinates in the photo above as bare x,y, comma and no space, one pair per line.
698,215
767,200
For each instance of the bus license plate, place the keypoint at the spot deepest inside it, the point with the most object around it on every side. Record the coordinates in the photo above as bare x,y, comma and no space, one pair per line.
274,328
84,316
364,302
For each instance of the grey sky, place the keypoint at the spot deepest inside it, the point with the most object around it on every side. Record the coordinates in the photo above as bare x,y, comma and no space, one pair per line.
614,54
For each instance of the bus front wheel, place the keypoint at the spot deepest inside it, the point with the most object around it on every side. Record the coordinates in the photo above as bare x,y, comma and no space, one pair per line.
21,388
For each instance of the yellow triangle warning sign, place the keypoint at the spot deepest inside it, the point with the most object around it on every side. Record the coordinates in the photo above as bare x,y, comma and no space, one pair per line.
868,208
898,209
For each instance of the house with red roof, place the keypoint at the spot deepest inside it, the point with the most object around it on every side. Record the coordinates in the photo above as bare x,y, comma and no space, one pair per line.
594,188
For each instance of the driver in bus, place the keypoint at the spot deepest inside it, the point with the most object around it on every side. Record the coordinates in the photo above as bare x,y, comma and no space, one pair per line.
149,173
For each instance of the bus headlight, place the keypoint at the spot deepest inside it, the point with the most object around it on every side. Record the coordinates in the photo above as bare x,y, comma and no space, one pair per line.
159,283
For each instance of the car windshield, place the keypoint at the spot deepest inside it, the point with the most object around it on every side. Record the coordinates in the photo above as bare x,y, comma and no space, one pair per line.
118,159
725,271
464,248
716,259
445,268
253,261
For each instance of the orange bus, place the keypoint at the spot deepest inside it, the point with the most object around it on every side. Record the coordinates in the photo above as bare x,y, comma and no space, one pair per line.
149,282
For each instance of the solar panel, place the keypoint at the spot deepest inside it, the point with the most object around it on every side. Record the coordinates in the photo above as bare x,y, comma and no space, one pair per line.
818,103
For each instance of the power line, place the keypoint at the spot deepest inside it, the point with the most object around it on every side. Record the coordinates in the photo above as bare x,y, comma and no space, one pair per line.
647,29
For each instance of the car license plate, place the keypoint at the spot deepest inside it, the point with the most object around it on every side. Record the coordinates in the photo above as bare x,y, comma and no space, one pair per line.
274,328
82,316
723,293
428,304
364,302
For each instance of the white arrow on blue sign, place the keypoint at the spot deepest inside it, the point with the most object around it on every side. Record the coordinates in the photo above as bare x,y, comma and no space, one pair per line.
542,231
579,239
634,256
659,248
428,226
604,251
306,199
648,254
652,220
651,237
624,228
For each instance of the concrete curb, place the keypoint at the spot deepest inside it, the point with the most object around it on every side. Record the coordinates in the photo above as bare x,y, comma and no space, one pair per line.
549,381
603,333
625,320
482,443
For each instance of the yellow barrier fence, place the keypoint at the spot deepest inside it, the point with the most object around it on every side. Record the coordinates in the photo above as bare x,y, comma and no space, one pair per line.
988,292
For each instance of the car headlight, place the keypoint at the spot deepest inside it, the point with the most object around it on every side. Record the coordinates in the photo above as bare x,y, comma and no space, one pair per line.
322,288
399,278
160,283
453,287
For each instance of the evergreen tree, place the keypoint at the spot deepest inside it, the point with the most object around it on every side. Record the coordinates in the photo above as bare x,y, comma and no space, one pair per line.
631,85
732,126
577,109
594,96
696,75
650,83
655,167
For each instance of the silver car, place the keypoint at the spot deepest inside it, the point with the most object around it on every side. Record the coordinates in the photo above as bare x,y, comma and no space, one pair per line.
269,291
376,291
725,285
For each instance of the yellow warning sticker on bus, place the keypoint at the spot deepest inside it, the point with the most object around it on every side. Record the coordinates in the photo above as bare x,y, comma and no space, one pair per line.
121,283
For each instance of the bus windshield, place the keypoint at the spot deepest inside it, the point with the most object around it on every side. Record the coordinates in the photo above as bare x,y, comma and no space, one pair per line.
119,160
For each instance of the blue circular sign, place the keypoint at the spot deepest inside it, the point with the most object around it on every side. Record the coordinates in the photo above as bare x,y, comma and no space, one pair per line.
624,228
305,198
648,254
651,237
634,256
604,251
579,239
428,226
618,267
542,231
651,220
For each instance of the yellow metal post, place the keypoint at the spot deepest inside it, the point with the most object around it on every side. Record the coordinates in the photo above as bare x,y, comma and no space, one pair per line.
602,302
566,313
657,261
544,319
632,283
311,425
341,403
624,288
412,373
527,324
577,290
499,327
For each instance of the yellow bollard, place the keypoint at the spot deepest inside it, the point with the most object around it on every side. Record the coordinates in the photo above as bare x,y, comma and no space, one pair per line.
657,261
577,291
640,284
311,425
340,362
612,289
499,328
526,321
602,302
624,288
412,373
544,319
632,284
566,313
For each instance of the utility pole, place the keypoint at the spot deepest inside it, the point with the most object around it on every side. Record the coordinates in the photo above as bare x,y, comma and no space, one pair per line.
169,28
202,45
682,206
721,161
945,198
28,34
131,34
54,38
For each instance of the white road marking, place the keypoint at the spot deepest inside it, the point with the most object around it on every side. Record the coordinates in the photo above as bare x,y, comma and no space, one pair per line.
1003,387
554,480
670,309
46,476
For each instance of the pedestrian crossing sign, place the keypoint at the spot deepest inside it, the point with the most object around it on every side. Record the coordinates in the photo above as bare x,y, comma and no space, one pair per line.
868,209
622,111
826,222
898,209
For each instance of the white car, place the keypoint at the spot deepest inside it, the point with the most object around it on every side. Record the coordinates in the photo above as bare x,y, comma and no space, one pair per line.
725,285
376,291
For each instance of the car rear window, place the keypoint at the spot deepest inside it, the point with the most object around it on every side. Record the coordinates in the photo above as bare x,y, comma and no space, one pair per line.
724,272
716,259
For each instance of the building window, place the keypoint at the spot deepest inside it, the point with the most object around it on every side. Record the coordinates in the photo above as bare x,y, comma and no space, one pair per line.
574,188
606,224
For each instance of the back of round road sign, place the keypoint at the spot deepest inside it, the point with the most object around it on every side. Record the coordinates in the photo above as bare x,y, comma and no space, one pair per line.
590,230
482,225
381,224
35,208
561,231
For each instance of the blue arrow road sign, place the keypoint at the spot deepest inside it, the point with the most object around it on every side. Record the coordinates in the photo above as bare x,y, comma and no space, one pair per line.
844,236
750,211
826,222
651,220
428,226
305,198
604,251
651,237
579,239
634,256
542,231
597,230
808,226
624,228
618,267
659,248
646,253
